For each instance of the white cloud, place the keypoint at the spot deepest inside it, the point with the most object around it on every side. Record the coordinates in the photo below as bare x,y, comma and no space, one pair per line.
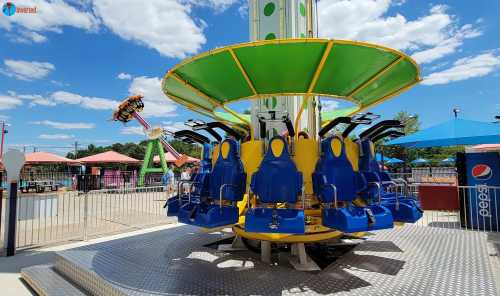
25,70
28,37
56,136
430,37
65,125
329,105
51,16
447,46
9,102
465,68
37,100
243,9
132,130
217,5
85,102
175,126
124,76
155,102
164,25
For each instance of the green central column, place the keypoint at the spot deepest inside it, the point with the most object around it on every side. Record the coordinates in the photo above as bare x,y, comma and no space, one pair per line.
282,19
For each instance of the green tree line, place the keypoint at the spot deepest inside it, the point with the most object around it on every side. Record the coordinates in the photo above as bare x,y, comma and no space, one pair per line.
135,150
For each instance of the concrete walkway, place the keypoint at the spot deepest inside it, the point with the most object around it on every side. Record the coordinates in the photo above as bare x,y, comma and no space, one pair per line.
10,267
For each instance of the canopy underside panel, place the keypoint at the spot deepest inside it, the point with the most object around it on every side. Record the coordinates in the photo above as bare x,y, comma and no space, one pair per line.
362,73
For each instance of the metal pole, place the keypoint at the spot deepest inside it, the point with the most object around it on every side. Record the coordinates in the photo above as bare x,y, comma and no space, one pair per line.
11,231
85,215
76,149
3,139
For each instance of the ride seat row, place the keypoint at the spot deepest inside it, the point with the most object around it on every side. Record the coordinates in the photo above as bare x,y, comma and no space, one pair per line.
278,185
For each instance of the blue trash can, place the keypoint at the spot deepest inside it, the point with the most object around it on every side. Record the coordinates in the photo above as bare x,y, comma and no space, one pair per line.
479,200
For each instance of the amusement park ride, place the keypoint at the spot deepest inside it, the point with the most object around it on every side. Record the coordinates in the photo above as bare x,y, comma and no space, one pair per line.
290,173
128,110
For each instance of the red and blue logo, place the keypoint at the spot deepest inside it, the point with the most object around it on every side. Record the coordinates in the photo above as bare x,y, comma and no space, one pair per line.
482,172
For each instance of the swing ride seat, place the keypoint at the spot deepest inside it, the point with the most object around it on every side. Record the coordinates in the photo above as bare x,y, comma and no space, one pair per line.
335,180
277,183
226,184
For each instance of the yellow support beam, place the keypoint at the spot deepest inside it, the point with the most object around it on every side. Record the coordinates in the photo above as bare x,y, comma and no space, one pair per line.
197,91
313,83
213,101
385,98
191,106
243,72
375,77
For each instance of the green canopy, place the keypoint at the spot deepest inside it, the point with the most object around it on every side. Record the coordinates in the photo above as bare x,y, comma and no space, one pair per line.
362,73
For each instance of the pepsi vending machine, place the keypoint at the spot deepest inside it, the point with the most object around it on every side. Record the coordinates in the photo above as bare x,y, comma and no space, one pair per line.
479,173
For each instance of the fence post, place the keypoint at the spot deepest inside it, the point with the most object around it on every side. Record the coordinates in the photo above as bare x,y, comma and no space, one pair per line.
85,215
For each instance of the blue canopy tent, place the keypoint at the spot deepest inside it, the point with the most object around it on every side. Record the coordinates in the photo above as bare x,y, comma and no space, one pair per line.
451,133
394,161
379,157
387,160
449,160
420,161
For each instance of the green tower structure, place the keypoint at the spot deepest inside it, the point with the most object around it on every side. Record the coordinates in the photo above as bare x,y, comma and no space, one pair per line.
154,147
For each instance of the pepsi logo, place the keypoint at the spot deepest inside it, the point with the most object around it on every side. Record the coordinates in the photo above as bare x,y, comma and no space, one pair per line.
482,172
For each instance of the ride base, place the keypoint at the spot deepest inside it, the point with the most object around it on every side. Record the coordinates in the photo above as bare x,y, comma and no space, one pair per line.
412,260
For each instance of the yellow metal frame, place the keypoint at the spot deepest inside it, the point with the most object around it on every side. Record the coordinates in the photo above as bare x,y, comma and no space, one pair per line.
243,72
375,77
212,101
312,85
288,238
256,95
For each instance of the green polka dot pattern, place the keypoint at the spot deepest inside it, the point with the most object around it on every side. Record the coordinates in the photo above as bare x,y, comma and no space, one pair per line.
269,9
270,36
302,9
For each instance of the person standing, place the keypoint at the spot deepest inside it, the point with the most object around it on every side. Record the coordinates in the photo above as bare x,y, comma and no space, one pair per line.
168,180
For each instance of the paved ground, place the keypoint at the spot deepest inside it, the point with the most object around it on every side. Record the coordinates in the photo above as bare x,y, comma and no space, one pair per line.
10,283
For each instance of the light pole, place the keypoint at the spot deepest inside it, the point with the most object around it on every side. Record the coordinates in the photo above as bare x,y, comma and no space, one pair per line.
456,110
4,131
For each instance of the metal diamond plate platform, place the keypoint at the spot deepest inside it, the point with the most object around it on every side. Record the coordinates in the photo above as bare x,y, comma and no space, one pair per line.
406,261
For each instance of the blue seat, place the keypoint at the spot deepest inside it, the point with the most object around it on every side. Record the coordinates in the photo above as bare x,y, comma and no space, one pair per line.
404,209
199,185
276,181
226,185
379,217
334,180
409,209
199,189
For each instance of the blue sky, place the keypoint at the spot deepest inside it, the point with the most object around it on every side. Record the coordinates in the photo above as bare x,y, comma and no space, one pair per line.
60,68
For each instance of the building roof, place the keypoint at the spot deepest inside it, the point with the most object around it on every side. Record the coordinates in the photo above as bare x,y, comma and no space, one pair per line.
109,157
486,147
47,158
170,158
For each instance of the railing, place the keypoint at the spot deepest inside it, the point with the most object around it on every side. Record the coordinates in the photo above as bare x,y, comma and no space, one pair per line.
474,208
428,175
28,182
63,216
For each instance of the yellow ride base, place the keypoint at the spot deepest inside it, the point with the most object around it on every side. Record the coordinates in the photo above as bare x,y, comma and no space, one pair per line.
288,238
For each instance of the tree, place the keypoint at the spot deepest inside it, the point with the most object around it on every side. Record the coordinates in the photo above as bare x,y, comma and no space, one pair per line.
411,122
136,151
411,125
